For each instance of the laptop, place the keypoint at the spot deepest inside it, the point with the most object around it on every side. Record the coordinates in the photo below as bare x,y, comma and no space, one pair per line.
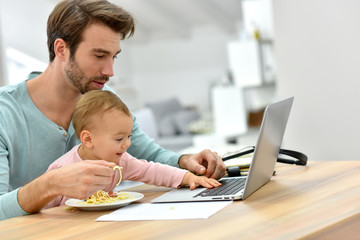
262,164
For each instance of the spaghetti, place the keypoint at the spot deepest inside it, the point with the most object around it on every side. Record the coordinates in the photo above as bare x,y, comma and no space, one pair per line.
101,197
118,168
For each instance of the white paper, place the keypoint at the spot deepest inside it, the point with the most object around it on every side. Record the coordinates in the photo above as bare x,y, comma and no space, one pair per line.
165,211
127,184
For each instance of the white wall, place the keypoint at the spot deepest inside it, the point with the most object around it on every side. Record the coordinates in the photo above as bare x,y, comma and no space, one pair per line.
3,73
24,26
184,68
317,52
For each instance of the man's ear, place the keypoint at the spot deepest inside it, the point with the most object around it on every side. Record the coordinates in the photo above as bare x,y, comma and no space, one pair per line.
86,138
60,49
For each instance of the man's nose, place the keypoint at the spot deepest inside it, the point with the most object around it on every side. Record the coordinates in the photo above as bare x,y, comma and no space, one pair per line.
108,68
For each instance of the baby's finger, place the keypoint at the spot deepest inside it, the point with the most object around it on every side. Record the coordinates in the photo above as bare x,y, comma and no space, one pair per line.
206,182
213,182
193,185
217,184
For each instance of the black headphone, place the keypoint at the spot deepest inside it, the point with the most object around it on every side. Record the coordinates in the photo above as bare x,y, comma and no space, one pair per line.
298,158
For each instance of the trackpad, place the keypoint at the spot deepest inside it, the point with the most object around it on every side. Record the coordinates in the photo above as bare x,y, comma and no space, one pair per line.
179,195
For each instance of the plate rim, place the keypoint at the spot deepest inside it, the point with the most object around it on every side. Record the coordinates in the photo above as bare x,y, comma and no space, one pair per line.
136,198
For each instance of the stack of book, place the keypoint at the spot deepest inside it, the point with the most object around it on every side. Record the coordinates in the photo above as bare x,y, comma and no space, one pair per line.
238,166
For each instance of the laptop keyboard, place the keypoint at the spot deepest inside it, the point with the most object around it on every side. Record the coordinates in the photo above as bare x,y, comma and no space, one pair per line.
229,186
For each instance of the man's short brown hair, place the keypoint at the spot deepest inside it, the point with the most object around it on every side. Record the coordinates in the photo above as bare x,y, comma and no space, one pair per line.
69,19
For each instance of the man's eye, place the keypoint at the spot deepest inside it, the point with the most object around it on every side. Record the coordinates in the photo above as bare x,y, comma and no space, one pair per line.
99,56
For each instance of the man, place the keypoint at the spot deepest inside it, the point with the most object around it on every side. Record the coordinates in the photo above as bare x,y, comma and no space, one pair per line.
35,115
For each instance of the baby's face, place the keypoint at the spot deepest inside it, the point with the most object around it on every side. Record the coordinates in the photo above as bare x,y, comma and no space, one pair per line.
111,136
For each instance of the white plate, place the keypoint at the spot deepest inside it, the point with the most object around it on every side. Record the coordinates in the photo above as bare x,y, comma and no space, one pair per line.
77,203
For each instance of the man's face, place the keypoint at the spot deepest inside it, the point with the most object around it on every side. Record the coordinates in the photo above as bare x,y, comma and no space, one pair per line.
92,64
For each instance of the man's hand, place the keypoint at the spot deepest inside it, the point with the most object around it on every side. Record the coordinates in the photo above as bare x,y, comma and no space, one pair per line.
206,163
78,180
81,180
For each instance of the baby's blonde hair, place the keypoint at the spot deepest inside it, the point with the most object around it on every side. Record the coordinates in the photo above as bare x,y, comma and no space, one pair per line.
95,103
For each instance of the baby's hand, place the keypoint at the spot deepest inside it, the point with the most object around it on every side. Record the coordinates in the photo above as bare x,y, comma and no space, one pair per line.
194,181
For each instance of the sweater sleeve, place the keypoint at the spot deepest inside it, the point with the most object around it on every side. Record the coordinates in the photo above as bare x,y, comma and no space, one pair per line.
9,206
143,147
150,172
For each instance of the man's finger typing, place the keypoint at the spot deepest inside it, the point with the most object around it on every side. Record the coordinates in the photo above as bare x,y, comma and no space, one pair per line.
206,163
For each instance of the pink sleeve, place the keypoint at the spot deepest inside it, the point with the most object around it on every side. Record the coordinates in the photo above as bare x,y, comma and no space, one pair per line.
55,202
150,172
68,158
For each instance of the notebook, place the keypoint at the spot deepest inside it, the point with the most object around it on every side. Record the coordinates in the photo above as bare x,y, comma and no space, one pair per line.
262,165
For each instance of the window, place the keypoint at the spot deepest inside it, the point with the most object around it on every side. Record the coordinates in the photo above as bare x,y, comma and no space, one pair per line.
19,65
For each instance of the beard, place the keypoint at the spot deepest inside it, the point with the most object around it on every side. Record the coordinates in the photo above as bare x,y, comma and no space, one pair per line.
78,78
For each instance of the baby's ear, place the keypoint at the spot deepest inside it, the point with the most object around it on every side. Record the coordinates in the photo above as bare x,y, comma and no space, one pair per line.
86,138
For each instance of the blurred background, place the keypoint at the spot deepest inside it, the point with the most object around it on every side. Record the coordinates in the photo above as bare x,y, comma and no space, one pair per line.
215,65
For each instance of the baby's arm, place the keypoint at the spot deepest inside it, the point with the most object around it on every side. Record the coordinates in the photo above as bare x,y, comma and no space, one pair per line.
161,175
194,181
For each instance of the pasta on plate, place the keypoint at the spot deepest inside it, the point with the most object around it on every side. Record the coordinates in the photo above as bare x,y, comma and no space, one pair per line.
101,197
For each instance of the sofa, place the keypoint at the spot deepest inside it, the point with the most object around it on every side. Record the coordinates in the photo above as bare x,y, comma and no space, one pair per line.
168,123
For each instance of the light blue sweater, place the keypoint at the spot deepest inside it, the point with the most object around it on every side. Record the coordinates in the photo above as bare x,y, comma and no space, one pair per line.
30,142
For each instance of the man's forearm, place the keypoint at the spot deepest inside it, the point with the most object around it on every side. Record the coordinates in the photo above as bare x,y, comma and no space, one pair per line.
35,195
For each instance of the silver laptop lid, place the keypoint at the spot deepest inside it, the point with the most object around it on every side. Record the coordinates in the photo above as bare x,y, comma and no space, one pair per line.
267,148
263,162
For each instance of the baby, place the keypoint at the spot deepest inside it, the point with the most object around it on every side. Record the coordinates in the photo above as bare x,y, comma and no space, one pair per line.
103,123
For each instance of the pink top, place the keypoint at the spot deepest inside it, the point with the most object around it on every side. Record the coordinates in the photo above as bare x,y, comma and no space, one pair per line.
132,169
